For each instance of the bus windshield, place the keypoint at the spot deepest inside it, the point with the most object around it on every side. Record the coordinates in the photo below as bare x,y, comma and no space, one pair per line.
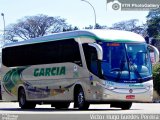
126,62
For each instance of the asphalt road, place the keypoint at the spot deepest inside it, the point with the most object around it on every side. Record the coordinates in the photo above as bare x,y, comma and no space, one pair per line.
11,111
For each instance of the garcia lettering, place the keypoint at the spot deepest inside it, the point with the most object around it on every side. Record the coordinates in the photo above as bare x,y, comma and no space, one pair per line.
54,71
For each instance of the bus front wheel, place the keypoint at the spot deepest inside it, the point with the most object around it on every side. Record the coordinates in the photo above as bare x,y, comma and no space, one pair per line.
23,103
80,100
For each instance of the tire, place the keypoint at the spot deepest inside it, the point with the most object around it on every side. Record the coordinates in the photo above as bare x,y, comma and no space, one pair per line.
126,105
23,103
80,100
64,105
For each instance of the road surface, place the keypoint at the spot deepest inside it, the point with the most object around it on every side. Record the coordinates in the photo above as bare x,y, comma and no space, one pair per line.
11,111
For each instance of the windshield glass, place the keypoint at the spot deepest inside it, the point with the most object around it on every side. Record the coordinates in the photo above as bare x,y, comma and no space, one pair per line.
125,62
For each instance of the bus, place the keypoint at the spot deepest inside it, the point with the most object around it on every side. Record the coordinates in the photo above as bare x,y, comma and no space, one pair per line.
84,66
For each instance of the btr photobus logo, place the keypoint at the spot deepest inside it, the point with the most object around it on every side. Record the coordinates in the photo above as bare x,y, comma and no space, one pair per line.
132,5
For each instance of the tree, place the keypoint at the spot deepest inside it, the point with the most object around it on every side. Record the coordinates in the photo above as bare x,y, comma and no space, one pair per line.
35,26
98,26
129,25
89,27
153,23
70,28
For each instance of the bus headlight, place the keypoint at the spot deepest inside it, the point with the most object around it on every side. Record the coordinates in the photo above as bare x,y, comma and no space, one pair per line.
110,87
148,88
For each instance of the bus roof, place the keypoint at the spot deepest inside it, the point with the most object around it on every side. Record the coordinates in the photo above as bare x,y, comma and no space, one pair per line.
102,35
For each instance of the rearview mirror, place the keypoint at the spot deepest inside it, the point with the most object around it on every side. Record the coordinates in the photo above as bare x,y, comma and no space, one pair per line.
154,54
98,49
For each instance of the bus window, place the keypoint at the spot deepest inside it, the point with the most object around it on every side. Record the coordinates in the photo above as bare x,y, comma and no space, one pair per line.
91,58
42,53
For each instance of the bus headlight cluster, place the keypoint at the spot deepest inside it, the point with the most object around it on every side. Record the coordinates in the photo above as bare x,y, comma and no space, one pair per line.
110,87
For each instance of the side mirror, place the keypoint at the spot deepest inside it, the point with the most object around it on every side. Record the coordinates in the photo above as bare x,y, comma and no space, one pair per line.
98,49
154,53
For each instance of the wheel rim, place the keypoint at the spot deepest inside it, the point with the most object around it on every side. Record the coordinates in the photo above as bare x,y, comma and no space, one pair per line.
80,98
22,98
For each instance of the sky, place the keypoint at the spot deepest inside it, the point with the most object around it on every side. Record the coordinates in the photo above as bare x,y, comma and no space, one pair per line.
76,12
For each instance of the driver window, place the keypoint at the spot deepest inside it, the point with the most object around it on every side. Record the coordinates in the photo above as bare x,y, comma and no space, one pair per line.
94,66
91,58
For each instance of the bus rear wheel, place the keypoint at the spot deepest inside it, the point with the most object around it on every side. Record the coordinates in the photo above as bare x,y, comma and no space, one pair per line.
80,100
23,103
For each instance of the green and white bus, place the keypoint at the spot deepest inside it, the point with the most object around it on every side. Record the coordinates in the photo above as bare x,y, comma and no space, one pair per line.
85,67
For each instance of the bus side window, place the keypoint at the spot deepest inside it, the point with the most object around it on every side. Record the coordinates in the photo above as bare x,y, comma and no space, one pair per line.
61,51
69,52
